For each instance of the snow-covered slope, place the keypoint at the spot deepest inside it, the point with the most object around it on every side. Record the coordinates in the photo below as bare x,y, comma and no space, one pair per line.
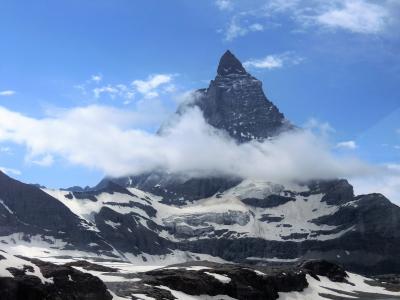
281,223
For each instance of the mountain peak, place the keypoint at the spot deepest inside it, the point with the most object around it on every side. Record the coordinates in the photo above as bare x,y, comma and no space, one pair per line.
229,64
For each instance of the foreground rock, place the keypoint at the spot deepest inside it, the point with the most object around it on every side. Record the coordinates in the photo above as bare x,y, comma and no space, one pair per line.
31,279
316,279
25,278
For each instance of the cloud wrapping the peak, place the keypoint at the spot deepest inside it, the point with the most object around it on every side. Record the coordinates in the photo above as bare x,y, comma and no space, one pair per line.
108,139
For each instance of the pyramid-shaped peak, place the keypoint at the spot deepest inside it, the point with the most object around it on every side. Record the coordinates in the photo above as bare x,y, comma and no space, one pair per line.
229,64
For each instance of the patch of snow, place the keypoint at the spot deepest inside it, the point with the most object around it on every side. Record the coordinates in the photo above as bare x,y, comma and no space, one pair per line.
115,297
6,207
10,261
273,259
315,288
222,278
183,296
112,224
143,297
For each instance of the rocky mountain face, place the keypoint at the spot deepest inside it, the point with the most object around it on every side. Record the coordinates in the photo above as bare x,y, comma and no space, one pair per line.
235,102
27,212
164,218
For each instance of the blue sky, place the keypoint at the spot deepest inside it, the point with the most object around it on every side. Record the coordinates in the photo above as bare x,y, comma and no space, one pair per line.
333,61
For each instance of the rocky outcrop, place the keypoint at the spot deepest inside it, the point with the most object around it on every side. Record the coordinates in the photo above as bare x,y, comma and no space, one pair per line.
27,210
177,189
63,283
268,202
240,282
235,102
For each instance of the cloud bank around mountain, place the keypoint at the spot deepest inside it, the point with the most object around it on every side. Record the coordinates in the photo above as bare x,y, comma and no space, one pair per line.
108,139
113,141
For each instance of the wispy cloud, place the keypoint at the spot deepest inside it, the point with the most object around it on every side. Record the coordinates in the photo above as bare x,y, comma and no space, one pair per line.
118,90
322,128
5,150
45,161
96,78
152,87
237,28
386,183
149,87
224,4
274,61
7,93
350,145
10,171
357,16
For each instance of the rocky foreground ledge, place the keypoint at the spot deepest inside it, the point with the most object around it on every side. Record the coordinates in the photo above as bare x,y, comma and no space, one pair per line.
30,279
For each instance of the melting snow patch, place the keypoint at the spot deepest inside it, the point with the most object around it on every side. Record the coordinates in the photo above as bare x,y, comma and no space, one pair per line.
222,278
143,297
273,259
182,296
115,297
325,286
258,272
112,224
6,207
196,268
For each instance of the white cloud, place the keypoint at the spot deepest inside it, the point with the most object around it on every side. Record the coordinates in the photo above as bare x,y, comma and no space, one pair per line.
105,90
256,27
45,161
148,88
268,62
350,145
386,182
358,16
6,150
106,139
224,4
96,78
7,93
236,28
10,171
281,5
152,87
118,90
275,61
323,129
